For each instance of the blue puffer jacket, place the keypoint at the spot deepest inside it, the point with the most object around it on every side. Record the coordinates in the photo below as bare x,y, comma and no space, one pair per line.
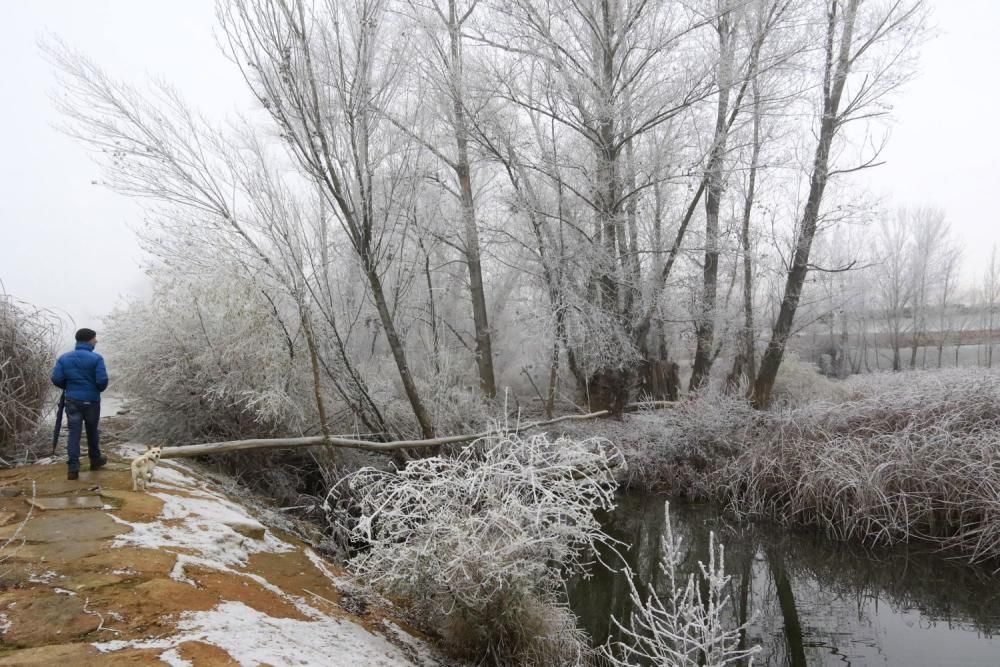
81,373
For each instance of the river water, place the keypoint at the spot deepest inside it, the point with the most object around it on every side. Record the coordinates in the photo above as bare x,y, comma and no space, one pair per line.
817,602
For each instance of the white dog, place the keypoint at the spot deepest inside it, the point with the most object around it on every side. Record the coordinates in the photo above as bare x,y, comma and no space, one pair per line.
142,468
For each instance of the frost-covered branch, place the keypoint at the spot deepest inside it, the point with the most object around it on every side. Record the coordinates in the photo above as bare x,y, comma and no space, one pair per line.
481,541
690,625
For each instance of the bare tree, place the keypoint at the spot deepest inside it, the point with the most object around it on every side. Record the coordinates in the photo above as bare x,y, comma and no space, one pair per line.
322,72
991,296
928,230
950,261
870,39
444,25
894,280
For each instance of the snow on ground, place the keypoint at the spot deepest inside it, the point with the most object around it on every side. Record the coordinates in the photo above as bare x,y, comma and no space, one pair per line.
210,526
323,640
200,526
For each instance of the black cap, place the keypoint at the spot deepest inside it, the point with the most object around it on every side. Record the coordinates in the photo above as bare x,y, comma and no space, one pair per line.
85,335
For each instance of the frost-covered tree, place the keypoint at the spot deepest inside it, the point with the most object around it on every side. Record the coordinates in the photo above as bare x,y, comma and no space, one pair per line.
690,623
865,47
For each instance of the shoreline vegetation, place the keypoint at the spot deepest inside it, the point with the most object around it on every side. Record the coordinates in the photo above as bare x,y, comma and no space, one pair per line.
476,538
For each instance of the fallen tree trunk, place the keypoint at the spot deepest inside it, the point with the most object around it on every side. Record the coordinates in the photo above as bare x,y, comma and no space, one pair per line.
185,451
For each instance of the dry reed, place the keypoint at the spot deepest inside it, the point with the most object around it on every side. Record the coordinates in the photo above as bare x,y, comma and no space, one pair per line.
912,456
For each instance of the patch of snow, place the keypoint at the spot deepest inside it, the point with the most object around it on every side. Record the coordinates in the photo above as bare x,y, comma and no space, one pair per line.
277,641
170,475
130,450
48,460
199,530
63,591
44,577
174,659
199,525
4,623
340,583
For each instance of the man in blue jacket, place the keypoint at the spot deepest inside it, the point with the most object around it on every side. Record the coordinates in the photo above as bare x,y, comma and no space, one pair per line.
82,375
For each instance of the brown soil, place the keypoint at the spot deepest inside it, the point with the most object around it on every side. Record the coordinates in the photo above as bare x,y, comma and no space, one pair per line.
65,587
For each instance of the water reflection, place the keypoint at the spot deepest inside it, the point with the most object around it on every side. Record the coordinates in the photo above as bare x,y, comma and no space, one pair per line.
817,602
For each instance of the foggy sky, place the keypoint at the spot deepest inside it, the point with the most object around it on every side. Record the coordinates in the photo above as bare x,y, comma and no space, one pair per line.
68,245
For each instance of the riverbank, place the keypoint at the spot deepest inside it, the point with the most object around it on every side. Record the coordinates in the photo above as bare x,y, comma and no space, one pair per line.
94,573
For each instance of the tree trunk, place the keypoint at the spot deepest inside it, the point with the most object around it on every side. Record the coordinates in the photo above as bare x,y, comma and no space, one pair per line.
745,362
480,318
399,354
835,77
705,328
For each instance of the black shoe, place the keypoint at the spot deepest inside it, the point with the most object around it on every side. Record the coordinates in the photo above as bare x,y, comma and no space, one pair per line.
73,474
97,464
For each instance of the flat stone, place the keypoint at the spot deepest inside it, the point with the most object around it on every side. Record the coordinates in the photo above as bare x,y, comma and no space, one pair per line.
90,581
46,618
67,502
10,492
69,527
6,517
43,656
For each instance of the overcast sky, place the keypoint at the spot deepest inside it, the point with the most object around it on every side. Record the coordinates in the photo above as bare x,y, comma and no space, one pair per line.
68,245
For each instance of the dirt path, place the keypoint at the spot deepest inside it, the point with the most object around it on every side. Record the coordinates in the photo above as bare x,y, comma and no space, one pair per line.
180,576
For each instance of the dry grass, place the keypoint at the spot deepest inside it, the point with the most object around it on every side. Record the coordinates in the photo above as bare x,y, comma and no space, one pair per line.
911,456
27,350
676,450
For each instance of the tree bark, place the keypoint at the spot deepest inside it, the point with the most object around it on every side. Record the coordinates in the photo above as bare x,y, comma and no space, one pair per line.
480,318
715,186
399,354
835,77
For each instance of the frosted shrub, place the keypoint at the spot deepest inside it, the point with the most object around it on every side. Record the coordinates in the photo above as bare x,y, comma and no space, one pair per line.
27,351
480,542
678,448
688,627
205,360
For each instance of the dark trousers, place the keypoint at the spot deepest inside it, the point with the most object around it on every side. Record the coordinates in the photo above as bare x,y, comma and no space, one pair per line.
83,415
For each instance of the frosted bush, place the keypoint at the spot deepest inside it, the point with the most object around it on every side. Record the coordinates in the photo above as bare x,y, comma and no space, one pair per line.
907,456
689,626
205,359
480,543
677,448
27,347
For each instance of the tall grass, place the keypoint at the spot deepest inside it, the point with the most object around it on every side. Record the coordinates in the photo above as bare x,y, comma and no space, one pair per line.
27,350
913,456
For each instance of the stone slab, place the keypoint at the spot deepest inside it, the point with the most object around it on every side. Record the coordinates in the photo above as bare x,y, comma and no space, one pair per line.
67,527
67,502
6,517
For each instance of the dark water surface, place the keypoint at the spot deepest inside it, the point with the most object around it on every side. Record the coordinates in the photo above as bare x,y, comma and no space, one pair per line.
818,602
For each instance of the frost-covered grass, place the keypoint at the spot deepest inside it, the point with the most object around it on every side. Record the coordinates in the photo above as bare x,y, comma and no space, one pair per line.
27,350
677,449
479,542
690,625
906,456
